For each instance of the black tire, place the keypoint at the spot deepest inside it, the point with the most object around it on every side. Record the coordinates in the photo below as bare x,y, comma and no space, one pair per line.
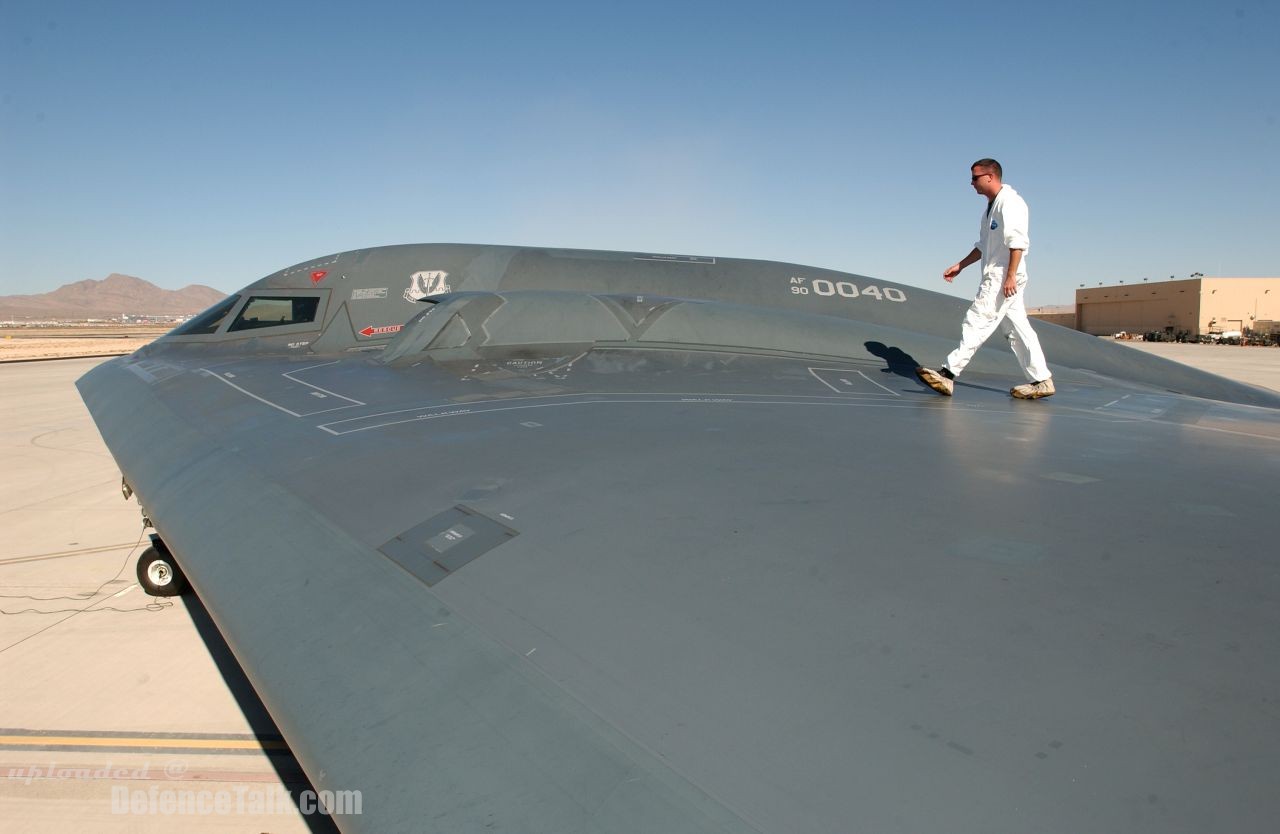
159,574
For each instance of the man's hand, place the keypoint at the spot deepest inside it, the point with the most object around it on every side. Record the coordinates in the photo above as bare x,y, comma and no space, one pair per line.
949,274
1011,273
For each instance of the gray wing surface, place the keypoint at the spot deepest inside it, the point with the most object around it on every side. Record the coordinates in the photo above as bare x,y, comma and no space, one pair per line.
564,561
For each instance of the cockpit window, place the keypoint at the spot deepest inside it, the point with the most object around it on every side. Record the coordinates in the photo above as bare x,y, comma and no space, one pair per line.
275,311
208,321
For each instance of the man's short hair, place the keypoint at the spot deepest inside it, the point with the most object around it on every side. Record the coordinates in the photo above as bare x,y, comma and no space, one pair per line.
989,165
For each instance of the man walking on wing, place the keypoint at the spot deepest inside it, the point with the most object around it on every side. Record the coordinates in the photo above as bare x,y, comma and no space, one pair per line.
1002,246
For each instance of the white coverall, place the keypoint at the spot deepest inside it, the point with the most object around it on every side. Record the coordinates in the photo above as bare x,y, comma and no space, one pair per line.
1004,227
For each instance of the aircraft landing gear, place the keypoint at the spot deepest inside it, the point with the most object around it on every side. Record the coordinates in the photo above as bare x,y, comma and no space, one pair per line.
158,572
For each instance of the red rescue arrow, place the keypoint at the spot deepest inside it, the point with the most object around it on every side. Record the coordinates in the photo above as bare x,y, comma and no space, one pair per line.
380,331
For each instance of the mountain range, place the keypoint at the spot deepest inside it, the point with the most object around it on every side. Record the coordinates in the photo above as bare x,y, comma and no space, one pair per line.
111,297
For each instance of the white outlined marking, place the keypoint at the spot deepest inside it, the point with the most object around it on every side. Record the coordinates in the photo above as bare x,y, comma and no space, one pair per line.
440,411
311,267
249,393
674,259
814,372
289,375
637,398
317,391
1224,431
1069,478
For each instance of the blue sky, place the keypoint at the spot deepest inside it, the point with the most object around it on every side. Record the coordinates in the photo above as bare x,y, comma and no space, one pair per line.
214,143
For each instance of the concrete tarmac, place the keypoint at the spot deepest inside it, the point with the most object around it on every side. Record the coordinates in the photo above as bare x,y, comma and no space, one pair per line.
1252,364
119,710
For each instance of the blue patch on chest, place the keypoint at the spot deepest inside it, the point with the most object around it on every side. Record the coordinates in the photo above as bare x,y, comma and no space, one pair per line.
993,225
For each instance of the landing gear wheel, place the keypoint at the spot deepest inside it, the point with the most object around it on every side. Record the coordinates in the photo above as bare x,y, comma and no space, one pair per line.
158,573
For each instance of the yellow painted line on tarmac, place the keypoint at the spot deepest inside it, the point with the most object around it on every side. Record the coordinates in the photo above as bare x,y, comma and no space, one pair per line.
150,742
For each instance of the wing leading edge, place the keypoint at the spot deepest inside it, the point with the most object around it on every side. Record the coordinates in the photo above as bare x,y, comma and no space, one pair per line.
575,562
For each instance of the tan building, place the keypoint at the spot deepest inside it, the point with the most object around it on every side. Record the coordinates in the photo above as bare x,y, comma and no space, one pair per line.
1198,306
1060,314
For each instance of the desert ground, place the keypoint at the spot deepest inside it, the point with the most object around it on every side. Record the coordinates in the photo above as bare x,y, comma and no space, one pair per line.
27,343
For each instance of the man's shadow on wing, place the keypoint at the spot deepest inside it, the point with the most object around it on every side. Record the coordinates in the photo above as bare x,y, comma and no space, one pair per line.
900,363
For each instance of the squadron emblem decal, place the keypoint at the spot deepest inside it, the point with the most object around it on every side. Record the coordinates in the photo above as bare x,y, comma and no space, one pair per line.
426,284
